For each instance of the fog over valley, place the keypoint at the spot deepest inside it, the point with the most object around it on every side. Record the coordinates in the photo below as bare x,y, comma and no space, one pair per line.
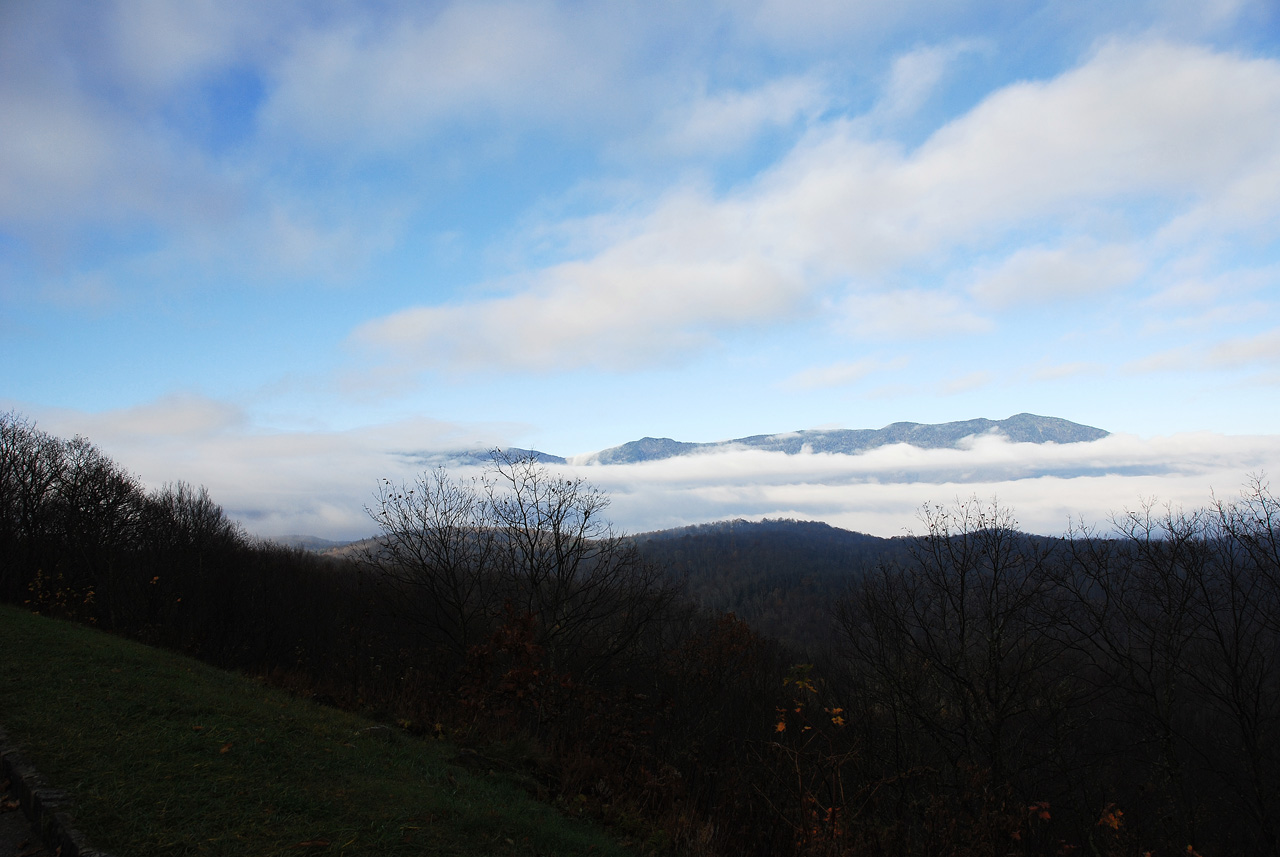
317,483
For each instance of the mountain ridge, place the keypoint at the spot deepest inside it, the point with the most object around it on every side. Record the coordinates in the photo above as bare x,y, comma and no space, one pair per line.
1019,428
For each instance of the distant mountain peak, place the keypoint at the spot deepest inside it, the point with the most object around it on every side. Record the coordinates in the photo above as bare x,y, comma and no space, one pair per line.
1019,428
645,449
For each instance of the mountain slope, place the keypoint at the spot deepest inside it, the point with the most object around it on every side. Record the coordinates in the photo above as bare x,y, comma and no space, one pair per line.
781,577
1020,428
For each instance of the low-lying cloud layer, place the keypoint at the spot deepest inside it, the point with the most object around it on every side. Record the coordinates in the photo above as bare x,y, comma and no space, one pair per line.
881,491
278,483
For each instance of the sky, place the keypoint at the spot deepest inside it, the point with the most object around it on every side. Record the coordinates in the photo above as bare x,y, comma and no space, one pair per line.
283,249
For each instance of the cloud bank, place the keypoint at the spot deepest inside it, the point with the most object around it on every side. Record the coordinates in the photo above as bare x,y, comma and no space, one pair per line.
317,483
880,491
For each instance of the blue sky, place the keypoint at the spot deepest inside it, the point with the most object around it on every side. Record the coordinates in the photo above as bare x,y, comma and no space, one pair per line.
256,245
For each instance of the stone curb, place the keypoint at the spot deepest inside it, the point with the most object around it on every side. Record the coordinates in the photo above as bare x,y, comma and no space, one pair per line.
48,809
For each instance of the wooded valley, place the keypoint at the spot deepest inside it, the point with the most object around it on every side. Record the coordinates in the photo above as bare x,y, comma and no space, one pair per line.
737,688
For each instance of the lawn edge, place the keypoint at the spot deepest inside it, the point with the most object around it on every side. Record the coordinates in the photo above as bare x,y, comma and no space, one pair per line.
47,809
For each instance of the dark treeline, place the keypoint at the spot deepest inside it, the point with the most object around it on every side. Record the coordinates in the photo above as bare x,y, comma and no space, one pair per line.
974,691
779,576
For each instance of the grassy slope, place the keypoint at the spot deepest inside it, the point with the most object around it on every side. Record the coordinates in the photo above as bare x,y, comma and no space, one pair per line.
168,756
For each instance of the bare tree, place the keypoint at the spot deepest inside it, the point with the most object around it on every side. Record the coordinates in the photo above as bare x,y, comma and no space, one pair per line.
1138,618
563,562
1176,613
1252,525
183,518
1238,668
522,537
957,644
438,549
31,464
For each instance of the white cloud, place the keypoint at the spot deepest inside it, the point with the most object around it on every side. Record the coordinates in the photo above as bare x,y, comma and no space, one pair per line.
834,23
1258,351
178,417
965,383
275,482
1215,321
156,45
1194,285
1137,122
1263,349
724,121
880,491
107,109
909,314
914,77
1200,16
1136,118
1039,273
1178,359
287,481
840,374
1068,370
77,148
377,84
61,154
661,293
69,163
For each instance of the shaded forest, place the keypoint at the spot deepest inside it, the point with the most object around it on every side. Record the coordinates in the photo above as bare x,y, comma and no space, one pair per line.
776,688
781,577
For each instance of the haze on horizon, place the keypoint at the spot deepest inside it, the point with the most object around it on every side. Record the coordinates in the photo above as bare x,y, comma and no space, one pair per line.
279,248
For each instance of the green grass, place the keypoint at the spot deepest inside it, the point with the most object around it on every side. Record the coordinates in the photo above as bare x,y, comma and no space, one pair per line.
167,756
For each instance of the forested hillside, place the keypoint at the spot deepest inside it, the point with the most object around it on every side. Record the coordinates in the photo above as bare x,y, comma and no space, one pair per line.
971,690
781,577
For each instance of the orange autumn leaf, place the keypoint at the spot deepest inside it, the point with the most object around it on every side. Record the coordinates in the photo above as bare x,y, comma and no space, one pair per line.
781,727
226,748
